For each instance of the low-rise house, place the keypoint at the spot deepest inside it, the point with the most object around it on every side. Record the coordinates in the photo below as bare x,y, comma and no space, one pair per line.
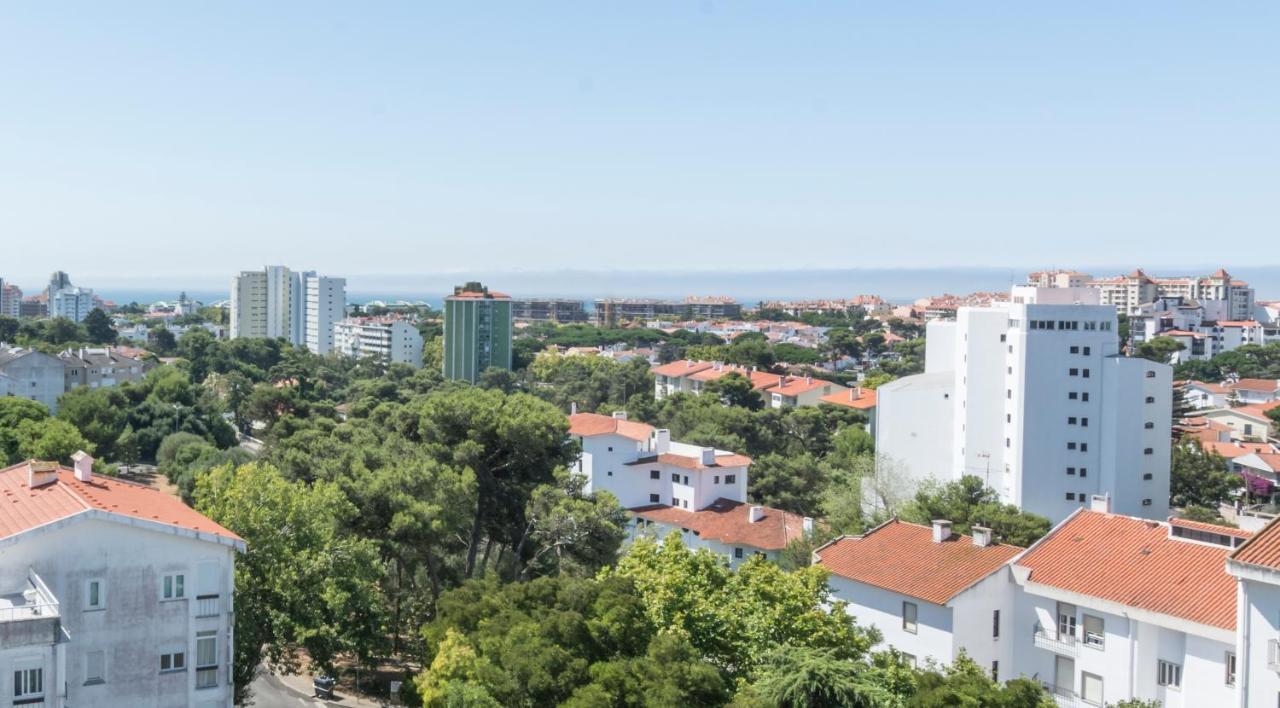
100,366
932,593
1199,394
800,391
733,529
1253,391
1249,423
1255,568
857,398
111,594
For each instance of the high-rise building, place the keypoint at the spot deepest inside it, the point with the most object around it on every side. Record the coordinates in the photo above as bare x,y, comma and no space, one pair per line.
10,299
71,302
1033,397
477,332
1128,293
279,303
390,339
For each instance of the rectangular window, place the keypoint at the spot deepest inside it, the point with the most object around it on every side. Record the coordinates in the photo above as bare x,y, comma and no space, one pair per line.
654,498
1071,446
1071,471
995,671
1084,396
1073,372
1148,476
1148,451
686,479
1151,374
175,661
675,478
1084,422
1169,674
737,553
655,474
1084,447
206,659
909,617
1084,373
1071,420
1075,350
717,479
174,587
95,598
28,683
1086,351
995,623
1231,668
1072,395
1151,399
1066,621
731,479
1084,471
1093,634
1146,502
95,664
1091,688
1148,425
1071,496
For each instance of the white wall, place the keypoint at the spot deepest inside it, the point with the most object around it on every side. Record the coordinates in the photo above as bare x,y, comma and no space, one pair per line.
913,417
882,609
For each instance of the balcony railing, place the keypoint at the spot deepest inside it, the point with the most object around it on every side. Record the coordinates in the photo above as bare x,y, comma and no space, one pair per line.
1059,644
208,605
1063,695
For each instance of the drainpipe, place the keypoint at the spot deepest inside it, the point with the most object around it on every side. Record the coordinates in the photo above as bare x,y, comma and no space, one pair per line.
1133,662
1244,629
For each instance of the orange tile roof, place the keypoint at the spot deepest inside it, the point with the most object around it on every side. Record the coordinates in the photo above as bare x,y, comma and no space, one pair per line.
1231,450
729,522
1211,528
795,386
1261,550
694,463
682,367
1256,410
473,295
903,558
23,508
1134,562
714,373
1263,385
845,398
591,424
1210,387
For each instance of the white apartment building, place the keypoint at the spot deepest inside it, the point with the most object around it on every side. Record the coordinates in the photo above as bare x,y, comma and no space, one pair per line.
941,594
1041,406
1103,609
111,594
276,302
1127,293
10,299
33,375
71,302
670,486
393,340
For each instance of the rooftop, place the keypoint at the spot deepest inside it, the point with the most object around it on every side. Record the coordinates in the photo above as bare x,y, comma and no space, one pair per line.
903,558
729,522
860,398
590,424
1262,550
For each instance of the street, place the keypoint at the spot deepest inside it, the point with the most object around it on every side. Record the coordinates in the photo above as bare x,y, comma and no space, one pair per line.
270,692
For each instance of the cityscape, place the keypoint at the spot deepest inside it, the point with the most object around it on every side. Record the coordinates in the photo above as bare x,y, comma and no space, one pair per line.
660,355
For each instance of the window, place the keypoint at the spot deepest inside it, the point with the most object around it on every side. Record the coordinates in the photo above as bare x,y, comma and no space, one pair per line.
1231,668
653,498
94,597
1084,447
173,585
1071,496
175,661
1084,422
737,553
995,623
610,448
1073,372
1148,476
1071,446
1084,373
686,479
1072,395
1151,374
1071,420
1091,688
1066,621
1008,393
1084,471
206,659
1075,350
1149,425
995,671
1146,502
94,667
1086,351
1148,451
731,479
1084,396
1071,470
1151,399
655,474
1169,674
675,478
717,479
909,617
28,683
1093,634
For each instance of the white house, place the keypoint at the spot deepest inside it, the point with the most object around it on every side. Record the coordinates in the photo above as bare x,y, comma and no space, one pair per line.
390,339
1040,405
668,486
33,375
111,594
1255,567
932,593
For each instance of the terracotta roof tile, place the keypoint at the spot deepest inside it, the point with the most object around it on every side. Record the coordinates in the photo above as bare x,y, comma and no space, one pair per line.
903,558
1231,450
793,386
694,463
23,508
589,424
1134,562
1263,385
845,398
729,522
682,367
1261,550
1212,528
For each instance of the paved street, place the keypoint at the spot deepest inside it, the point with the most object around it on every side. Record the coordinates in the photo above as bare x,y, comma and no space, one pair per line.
270,692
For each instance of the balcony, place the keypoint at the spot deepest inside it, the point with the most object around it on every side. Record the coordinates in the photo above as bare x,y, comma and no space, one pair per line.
1066,645
208,605
29,614
1062,695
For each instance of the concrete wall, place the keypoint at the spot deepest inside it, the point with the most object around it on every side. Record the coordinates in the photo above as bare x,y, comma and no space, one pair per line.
913,417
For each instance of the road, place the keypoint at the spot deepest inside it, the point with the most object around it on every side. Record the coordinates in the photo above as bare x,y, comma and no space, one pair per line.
268,692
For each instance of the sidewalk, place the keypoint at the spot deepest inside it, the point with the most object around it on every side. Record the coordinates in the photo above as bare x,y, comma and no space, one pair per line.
301,684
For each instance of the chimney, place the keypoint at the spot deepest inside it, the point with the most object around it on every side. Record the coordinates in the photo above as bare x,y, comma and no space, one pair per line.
661,440
1101,503
84,465
573,408
619,415
855,393
981,536
941,530
708,455
756,513
40,473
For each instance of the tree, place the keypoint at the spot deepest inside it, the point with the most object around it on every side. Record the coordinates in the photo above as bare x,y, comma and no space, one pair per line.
967,503
1199,477
842,342
1159,349
790,483
569,530
8,329
302,583
734,389
100,414
13,412
455,672
162,341
50,439
804,677
98,326
964,683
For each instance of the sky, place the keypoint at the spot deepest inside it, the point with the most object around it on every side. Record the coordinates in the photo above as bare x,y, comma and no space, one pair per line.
171,140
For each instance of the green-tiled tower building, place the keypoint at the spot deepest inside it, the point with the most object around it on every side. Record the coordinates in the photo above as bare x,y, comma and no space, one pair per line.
477,332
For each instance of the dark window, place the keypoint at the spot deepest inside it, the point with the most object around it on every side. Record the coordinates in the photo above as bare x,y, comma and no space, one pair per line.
1151,399
1084,396
1071,496
1084,447
1086,351
1146,502
731,479
1148,425
995,669
1073,372
1071,420
655,474
1071,446
675,478
1071,470
1075,350
610,448
653,498
1151,374
737,553
995,623
1084,471
1147,476
717,478
686,479
1148,451
1085,373
1073,395
1084,422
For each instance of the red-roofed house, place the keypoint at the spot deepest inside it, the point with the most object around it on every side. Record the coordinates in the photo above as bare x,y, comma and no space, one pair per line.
797,391
1251,391
931,593
111,593
1249,423
733,529
1117,607
1255,566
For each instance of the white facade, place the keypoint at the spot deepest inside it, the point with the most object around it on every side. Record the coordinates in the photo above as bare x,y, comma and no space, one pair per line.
392,340
279,303
33,375
71,303
1042,407
326,305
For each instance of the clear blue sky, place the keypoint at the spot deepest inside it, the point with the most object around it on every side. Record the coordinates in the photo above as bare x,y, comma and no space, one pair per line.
199,138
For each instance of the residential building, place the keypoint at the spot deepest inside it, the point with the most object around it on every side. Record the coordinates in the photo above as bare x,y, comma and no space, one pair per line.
34,306
1200,394
111,594
559,310
97,367
610,312
72,303
33,375
10,299
668,486
932,593
1127,293
477,332
393,340
1041,406
687,376
277,303
1249,423
801,391
1255,567
326,305
857,398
